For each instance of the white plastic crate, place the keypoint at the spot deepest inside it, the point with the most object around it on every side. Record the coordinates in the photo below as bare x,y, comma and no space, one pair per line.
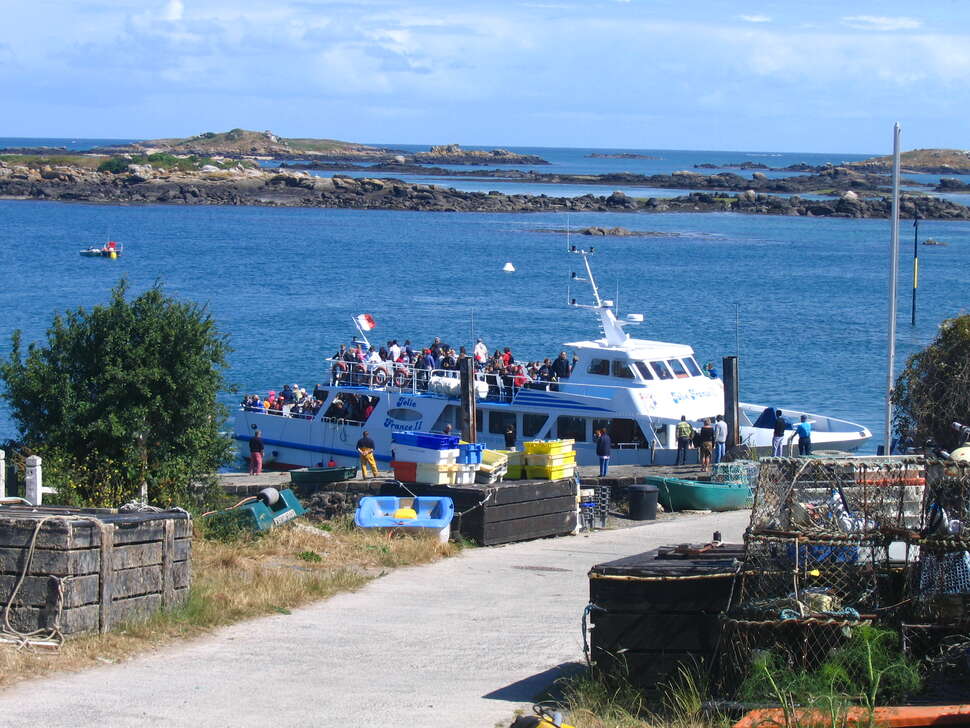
412,454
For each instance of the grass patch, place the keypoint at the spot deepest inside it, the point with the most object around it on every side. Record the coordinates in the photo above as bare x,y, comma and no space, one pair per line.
241,579
35,161
595,699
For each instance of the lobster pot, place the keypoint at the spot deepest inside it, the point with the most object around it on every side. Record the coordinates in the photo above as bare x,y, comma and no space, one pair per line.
793,577
92,569
839,495
796,643
741,472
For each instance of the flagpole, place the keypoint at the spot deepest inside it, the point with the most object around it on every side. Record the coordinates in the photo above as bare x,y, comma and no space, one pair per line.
893,274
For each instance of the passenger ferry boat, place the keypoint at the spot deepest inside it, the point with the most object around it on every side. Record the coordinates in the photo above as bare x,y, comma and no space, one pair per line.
635,388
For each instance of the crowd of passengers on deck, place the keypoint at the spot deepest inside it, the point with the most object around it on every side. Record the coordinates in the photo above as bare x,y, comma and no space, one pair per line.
292,401
408,367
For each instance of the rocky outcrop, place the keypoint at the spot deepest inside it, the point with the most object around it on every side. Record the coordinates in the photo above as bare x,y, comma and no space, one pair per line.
454,154
619,155
951,184
238,186
735,165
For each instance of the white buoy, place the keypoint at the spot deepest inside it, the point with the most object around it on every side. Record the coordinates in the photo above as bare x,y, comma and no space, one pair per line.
508,268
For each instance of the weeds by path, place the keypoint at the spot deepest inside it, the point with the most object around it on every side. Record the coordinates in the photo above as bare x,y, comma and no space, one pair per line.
239,579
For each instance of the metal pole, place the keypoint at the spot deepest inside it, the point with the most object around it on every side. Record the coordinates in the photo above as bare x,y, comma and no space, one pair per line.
893,273
915,263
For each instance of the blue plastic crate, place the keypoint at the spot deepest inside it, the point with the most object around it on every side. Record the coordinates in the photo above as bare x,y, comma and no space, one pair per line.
470,453
427,440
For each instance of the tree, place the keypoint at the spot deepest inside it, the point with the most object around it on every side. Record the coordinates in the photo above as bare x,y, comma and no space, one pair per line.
123,394
934,389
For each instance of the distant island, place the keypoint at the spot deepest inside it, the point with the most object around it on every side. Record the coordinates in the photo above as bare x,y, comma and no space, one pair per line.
265,145
923,161
619,155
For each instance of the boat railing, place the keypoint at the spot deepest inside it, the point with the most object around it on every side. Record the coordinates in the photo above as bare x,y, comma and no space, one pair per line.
409,379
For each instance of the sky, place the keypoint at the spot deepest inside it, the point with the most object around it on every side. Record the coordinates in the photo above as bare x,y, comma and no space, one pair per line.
642,74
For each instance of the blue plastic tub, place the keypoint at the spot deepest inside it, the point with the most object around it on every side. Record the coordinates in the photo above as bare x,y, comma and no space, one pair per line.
470,453
434,513
427,440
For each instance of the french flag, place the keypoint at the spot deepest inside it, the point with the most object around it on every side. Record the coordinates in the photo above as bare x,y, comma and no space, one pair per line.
365,321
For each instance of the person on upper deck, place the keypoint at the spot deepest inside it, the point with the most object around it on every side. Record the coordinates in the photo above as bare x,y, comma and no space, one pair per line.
507,357
393,350
480,351
561,367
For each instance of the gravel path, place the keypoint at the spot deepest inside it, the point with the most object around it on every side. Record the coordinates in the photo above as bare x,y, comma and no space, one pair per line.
465,642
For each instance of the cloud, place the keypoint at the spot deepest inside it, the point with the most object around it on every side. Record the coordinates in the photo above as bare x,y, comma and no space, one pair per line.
755,18
881,22
173,10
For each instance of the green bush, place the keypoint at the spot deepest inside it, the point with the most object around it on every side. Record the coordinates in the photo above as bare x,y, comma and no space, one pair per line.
115,165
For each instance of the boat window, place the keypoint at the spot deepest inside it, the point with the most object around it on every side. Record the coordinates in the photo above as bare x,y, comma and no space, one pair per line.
678,368
498,421
622,432
571,427
532,424
599,366
622,369
692,366
644,370
404,414
449,416
661,370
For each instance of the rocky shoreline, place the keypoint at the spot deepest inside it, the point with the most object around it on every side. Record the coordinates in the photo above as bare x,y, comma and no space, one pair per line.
242,186
831,180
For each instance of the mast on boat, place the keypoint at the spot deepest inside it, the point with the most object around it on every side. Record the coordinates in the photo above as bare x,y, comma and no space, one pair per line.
612,327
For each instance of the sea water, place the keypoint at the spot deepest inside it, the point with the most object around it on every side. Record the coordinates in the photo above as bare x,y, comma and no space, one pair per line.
803,300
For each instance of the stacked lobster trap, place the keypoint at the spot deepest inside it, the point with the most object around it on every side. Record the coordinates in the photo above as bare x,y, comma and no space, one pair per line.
936,627
826,551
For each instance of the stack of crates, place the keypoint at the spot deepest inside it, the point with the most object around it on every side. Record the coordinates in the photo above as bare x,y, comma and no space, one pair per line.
493,467
428,458
515,468
550,459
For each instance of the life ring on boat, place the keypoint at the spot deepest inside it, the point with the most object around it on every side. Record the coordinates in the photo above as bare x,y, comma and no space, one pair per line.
400,378
379,378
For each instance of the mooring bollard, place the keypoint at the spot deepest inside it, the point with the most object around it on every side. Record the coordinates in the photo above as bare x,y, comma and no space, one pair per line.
35,490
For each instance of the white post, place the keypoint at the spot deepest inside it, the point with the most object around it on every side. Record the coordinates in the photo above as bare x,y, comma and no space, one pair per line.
893,273
3,474
34,491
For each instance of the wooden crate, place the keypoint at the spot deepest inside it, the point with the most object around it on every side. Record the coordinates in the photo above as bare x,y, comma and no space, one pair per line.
109,567
497,513
650,614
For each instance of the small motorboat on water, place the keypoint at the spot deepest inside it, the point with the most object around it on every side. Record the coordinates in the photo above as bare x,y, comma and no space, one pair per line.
110,249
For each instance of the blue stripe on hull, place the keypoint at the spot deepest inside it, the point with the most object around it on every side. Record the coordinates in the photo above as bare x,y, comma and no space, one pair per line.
312,448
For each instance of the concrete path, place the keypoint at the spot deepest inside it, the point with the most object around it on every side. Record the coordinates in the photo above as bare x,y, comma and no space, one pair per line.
465,642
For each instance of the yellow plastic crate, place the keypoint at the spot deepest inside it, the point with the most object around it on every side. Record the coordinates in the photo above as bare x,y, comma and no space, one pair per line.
515,472
548,447
552,461
493,458
539,472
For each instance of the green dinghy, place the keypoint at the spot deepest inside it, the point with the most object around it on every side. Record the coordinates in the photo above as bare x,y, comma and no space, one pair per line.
677,494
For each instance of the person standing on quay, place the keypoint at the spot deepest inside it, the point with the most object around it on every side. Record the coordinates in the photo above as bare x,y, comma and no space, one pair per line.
720,438
365,447
804,431
778,437
707,434
685,432
603,445
256,448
